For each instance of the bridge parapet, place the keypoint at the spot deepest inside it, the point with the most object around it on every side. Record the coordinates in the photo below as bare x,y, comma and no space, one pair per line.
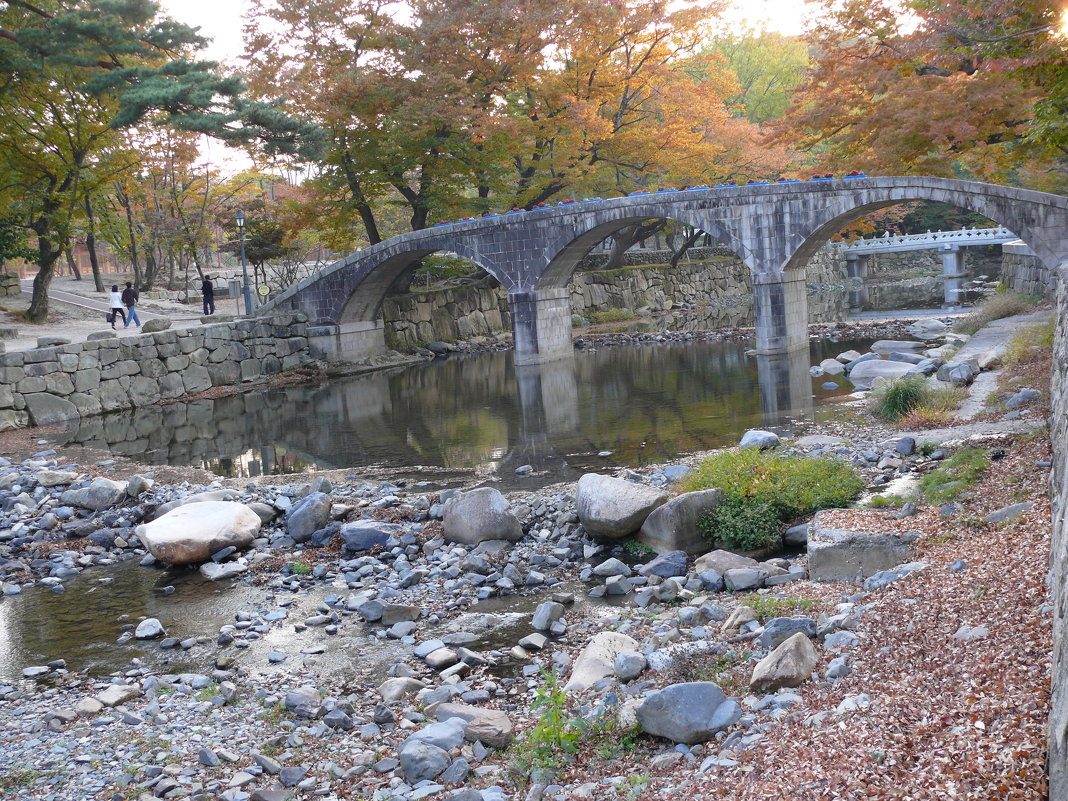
930,241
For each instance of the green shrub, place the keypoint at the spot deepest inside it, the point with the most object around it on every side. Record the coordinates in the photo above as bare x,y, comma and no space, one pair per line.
769,606
1001,304
899,396
771,486
741,524
956,474
611,315
885,501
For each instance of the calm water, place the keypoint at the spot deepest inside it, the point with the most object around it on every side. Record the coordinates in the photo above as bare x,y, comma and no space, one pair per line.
645,404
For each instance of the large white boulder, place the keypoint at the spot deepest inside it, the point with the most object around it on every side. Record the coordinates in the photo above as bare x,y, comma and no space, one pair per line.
192,533
611,508
864,374
479,515
598,659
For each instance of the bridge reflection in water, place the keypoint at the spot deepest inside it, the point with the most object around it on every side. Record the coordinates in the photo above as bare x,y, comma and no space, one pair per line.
645,404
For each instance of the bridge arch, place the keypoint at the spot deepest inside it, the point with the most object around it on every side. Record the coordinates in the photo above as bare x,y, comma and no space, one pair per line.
1033,216
564,251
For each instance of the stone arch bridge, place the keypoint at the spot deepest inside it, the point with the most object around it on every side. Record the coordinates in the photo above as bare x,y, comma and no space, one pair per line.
775,228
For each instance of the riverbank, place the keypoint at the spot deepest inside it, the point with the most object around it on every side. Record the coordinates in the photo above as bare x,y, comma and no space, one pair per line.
331,657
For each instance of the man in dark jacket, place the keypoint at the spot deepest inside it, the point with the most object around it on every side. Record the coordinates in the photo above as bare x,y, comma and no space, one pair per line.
207,290
129,300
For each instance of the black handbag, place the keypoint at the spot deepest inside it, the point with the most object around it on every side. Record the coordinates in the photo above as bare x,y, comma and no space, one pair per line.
110,317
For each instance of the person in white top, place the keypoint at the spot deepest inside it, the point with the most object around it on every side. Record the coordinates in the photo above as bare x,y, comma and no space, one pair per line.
116,306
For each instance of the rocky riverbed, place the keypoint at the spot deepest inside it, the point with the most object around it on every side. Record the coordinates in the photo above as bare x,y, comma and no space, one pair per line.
388,640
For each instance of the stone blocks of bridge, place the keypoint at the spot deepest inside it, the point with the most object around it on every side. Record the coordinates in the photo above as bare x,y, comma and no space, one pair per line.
347,342
780,305
541,324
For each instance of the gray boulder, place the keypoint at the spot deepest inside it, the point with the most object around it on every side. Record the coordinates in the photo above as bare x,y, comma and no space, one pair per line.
959,374
689,713
156,324
420,761
611,567
721,561
362,535
832,367
149,629
478,515
1021,398
744,578
46,409
668,565
629,665
780,629
755,438
1007,513
546,614
102,493
307,516
611,508
891,345
673,526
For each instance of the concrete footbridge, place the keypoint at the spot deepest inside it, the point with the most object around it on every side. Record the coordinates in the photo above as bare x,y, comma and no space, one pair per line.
949,243
775,228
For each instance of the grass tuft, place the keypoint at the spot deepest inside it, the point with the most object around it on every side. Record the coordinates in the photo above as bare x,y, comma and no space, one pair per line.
956,474
1002,304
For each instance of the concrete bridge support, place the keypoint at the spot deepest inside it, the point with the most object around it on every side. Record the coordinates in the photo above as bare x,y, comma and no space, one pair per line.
780,306
347,342
541,324
953,274
857,276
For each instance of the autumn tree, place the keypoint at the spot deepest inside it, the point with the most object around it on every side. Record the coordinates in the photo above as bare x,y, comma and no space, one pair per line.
959,87
77,72
768,67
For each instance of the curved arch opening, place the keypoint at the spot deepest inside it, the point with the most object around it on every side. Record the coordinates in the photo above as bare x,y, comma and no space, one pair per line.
443,297
914,255
651,273
678,234
397,274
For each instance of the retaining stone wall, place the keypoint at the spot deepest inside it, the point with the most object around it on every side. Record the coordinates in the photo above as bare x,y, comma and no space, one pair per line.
1058,486
1024,273
46,385
719,281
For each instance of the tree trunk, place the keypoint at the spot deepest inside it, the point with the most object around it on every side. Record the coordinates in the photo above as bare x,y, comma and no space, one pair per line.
90,242
47,255
72,264
138,281
687,243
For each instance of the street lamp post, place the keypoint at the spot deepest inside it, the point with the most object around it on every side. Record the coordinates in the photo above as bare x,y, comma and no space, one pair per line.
244,267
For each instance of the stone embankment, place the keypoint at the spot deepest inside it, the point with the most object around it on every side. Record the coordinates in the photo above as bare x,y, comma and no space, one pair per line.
59,380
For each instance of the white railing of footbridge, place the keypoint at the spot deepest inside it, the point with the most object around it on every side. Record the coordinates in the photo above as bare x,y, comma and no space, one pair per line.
929,241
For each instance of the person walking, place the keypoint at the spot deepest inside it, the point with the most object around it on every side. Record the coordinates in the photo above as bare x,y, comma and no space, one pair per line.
116,306
129,300
207,290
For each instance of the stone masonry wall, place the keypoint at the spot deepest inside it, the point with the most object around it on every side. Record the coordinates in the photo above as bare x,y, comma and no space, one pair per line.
1058,486
1024,273
51,384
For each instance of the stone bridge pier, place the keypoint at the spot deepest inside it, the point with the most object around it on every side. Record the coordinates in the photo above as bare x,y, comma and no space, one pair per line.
541,325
